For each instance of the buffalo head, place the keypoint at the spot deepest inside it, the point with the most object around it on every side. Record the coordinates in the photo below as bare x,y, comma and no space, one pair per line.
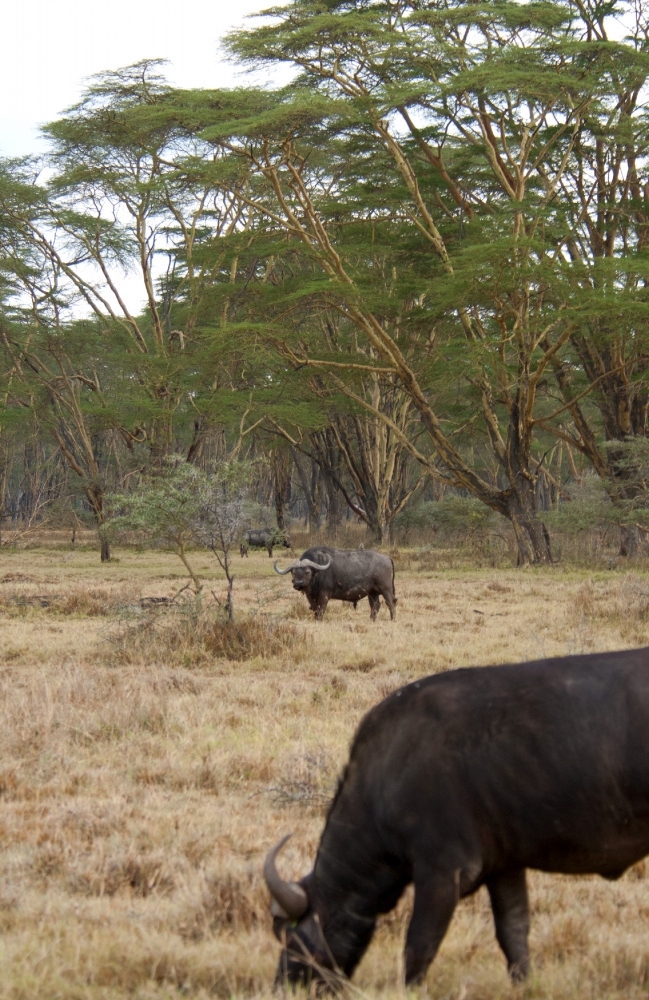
303,571
305,956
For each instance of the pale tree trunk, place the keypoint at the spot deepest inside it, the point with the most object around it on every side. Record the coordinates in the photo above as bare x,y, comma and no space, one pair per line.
532,538
280,484
334,506
630,540
96,499
309,481
522,367
521,506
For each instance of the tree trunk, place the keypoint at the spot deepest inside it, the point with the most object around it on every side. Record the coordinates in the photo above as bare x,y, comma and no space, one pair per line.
532,538
521,499
280,477
630,540
196,447
311,490
95,495
334,507
373,517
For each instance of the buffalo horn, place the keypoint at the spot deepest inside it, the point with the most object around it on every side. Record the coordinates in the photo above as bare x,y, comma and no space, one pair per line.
301,564
283,572
291,897
314,565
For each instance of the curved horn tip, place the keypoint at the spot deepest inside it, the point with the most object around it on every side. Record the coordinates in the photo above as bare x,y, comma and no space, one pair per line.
282,572
290,896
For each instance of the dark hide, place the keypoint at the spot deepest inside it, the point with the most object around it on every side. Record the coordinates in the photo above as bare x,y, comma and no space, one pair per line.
466,779
353,575
263,538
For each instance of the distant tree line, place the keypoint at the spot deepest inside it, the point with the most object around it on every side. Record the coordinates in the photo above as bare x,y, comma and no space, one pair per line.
420,268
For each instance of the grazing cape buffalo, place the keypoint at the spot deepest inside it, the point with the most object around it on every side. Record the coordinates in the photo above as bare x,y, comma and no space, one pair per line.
325,574
263,538
466,779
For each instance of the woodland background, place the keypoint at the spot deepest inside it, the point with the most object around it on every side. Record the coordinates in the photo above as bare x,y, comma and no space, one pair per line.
408,289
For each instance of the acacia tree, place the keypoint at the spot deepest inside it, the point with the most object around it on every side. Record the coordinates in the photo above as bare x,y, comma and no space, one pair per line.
601,225
57,371
224,509
359,454
126,194
118,200
474,113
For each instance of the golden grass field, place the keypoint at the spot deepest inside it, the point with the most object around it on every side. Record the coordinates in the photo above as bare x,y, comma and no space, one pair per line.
142,782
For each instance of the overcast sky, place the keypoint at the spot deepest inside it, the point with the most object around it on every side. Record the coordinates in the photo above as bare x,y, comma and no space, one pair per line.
51,46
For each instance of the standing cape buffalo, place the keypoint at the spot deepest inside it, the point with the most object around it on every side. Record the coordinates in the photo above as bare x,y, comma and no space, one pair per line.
466,779
325,574
263,538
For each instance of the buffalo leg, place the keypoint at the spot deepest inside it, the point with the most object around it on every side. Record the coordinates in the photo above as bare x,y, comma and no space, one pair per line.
375,604
508,894
320,606
390,601
435,899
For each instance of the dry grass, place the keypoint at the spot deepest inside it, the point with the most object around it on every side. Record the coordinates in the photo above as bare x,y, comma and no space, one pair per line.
195,631
139,792
620,602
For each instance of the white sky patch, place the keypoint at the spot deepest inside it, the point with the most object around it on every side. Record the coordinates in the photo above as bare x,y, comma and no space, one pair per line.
51,46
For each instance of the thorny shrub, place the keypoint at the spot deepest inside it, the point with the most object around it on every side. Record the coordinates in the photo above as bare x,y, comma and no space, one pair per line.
191,633
250,637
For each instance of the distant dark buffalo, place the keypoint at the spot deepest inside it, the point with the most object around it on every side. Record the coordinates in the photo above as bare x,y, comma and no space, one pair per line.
325,574
466,779
263,538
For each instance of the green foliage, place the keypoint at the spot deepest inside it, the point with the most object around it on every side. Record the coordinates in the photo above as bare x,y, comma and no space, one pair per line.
427,251
589,506
451,515
461,514
180,505
167,506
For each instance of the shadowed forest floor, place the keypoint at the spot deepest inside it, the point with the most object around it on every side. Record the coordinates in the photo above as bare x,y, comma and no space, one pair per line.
141,784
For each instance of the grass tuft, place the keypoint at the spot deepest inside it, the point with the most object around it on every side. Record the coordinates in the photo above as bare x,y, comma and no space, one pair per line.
363,665
191,634
252,637
622,603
